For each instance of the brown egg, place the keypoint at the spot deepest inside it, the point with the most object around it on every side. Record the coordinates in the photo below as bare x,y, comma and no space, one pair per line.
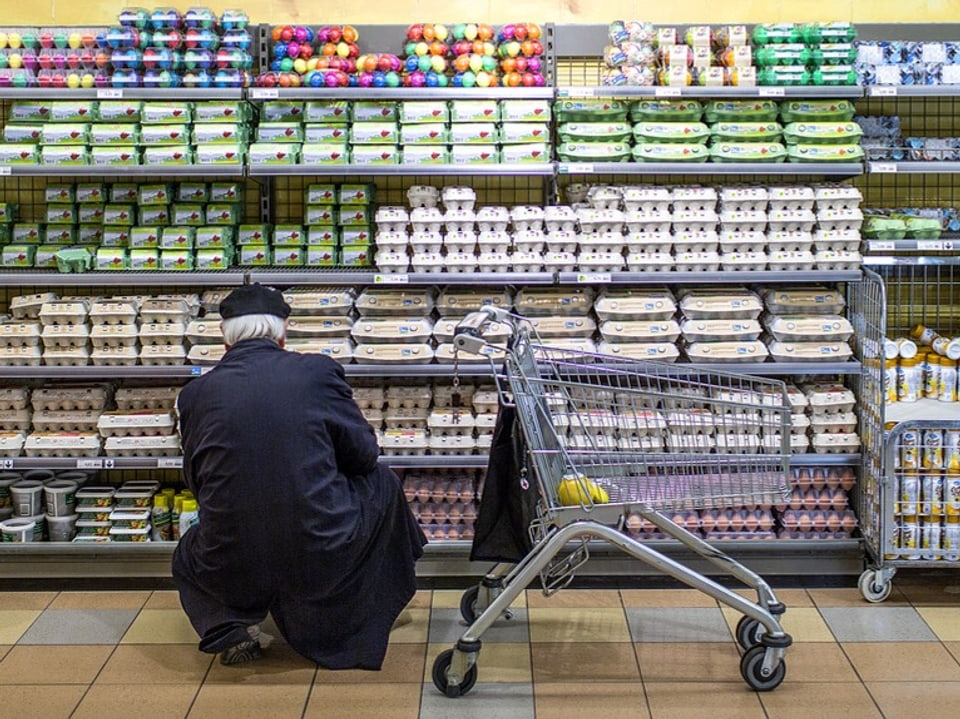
834,521
848,521
839,499
804,521
766,520
810,498
824,499
708,520
848,479
819,477
796,499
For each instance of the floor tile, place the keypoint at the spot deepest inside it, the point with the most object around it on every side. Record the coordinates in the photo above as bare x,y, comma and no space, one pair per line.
216,701
575,700
944,592
679,624
156,664
689,662
42,701
578,625
15,622
501,662
803,624
423,599
853,598
279,665
146,702
446,626
53,664
954,649
403,663
161,626
26,600
902,661
484,701
593,661
389,701
4,648
100,600
450,599
609,598
413,633
163,600
908,700
874,623
696,700
790,598
792,700
818,662
944,621
666,598
79,626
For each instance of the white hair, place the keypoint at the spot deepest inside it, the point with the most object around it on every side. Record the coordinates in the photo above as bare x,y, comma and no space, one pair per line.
248,327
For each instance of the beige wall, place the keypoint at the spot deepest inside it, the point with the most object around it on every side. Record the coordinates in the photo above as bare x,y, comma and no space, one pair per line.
104,12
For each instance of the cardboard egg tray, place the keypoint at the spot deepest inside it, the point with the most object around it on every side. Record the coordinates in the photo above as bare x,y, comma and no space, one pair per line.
205,330
339,349
163,355
746,351
115,356
819,520
130,399
65,420
113,336
113,312
451,422
64,312
452,444
27,307
62,444
369,397
15,420
385,302
404,442
11,443
660,351
20,334
135,423
816,498
66,356
162,333
14,398
308,326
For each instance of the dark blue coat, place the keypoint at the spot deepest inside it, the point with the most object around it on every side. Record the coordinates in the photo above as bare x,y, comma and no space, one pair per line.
296,516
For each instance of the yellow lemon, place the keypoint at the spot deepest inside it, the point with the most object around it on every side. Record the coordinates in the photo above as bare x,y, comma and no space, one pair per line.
576,490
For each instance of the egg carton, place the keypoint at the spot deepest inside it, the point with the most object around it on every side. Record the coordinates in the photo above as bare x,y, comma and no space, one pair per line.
11,443
113,336
808,300
423,196
836,240
732,194
604,197
65,336
66,356
732,241
529,240
15,420
460,262
452,444
527,217
808,328
737,443
552,327
795,205
398,303
697,261
113,312
391,262
807,497
13,398
455,220
682,442
404,442
164,355
460,241
555,241
640,443
549,301
404,423
576,192
834,196
836,422
799,422
459,197
847,219
445,328
695,221
648,223
654,303
369,398
393,353
16,333
594,220
426,219
319,327
797,443
166,311
27,307
645,198
444,354
828,397
690,421
392,218
339,349
789,241
650,262
451,422
486,423
746,351
62,444
560,218
788,193
527,261
494,241
321,300
837,260
428,262
371,330
640,331
396,240
443,395
26,356
822,351
560,261
162,333
458,301
654,242
574,344
598,261
493,218
602,242
791,260
720,330
142,446
130,399
426,241
693,198
688,241
791,221
84,420
744,205
64,312
204,331
494,262
210,300
743,220
817,519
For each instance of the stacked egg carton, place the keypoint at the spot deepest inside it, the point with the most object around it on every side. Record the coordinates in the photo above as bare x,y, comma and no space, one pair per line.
65,334
22,332
371,401
648,222
638,323
444,502
819,504
64,421
143,424
452,423
113,332
486,405
453,305
721,325
405,420
163,328
836,240
394,326
805,325
321,320
15,416
601,239
743,224
560,316
833,424
203,333
694,221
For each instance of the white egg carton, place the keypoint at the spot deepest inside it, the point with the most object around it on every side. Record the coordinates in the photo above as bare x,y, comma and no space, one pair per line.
732,241
720,330
395,353
649,262
113,312
17,333
681,442
526,261
695,221
791,197
404,442
648,242
808,328
495,332
734,206
743,194
527,217
494,262
559,241
319,327
165,355
376,330
405,419
798,443
451,422
529,240
392,218
162,333
130,399
25,356
837,260
640,423
576,192
62,444
653,303
547,301
423,196
390,302
426,219
646,198
655,222
321,301
65,336
427,262
603,242
743,261
791,221
494,241
458,301
210,300
691,240
790,260
697,261
443,395
833,196
460,262
27,307
551,327
833,423
836,240
64,312
828,397
14,398
460,241
693,197
459,197
391,262
560,261
426,241
204,331
743,220
808,300
850,218
640,330
86,397
836,443
643,443
797,398
493,218
392,239
799,423
339,349
369,397
135,423
691,421
66,356
789,241
604,197
732,352
560,218
455,220
11,443
452,444
160,311
737,443
14,420
113,336
486,400
486,423
821,351
588,442
444,354
145,446
598,261
573,344
595,220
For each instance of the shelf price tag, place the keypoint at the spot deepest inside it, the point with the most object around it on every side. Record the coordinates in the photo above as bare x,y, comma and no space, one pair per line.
576,91
668,92
882,246
264,93
883,91
930,245
110,93
5,170
91,464
400,278
772,92
577,168
593,278
6,464
169,462
887,168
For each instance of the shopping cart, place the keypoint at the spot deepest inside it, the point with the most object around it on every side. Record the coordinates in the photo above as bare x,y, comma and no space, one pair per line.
613,442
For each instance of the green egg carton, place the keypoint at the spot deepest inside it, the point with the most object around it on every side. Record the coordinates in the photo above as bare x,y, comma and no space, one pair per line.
746,132
748,152
777,33
824,153
594,132
841,53
74,259
740,111
784,76
684,132
785,54
817,111
594,152
671,152
884,228
589,110
666,111
923,228
822,133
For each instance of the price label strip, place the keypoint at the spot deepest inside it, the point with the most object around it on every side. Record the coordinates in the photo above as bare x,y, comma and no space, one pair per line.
400,278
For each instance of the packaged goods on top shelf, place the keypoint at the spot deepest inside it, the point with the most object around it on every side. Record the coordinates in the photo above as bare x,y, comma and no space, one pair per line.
908,63
883,139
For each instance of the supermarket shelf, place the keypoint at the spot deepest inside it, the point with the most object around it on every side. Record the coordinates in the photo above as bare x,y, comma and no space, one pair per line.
886,261
825,460
400,93
704,278
52,278
124,171
710,92
538,168
924,410
363,277
89,372
835,169
377,371
902,168
469,461
122,93
784,369
944,244
912,91
451,461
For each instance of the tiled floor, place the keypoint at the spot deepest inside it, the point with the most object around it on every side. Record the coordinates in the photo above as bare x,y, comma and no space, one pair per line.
645,653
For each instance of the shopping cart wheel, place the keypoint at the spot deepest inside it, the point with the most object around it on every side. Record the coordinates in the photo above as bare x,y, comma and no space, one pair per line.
468,604
748,632
440,666
873,588
751,669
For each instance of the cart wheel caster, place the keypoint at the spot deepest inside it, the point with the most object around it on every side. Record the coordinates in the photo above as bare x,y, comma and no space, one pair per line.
748,632
440,666
873,590
468,604
751,669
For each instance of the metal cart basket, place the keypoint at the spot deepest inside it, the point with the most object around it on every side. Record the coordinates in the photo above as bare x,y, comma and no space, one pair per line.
613,442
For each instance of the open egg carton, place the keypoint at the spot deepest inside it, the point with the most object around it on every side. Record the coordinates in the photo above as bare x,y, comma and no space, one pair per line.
740,198
131,399
321,300
142,446
390,302
423,196
458,197
62,444
20,333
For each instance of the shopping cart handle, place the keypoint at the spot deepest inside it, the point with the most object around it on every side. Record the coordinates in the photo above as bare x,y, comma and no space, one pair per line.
468,336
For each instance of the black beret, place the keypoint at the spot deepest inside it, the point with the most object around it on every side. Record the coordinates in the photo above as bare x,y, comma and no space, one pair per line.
255,299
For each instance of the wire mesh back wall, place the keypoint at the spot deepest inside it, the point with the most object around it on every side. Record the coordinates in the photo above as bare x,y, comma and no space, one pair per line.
922,294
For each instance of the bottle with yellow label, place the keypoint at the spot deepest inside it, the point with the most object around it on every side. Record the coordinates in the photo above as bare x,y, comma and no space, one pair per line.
947,386
931,375
890,380
908,380
951,538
